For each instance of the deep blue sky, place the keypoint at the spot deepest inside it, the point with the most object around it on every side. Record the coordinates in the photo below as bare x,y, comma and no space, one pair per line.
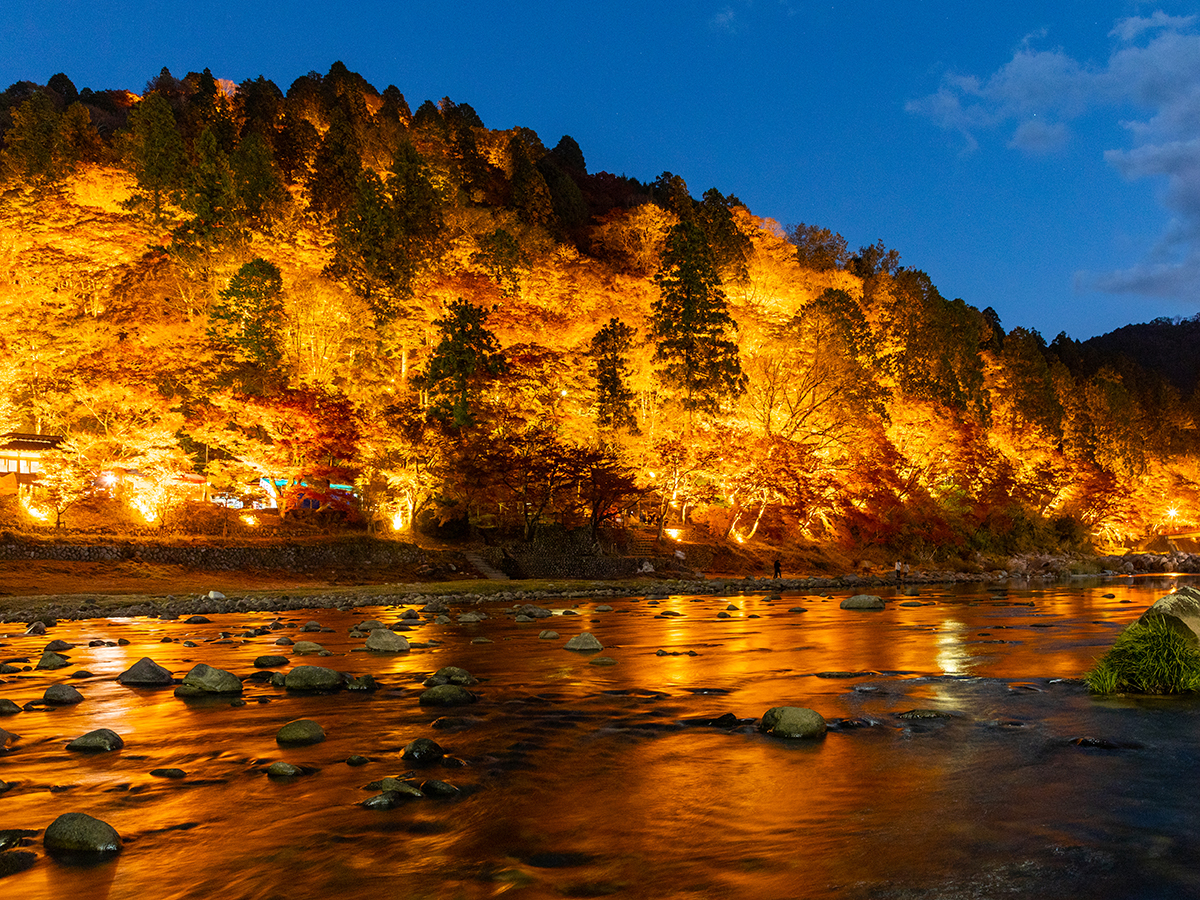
1040,158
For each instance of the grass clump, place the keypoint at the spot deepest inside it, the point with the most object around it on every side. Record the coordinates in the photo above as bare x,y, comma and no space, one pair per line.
1150,657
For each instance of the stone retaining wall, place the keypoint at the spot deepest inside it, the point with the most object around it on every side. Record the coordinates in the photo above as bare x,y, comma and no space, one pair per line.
293,557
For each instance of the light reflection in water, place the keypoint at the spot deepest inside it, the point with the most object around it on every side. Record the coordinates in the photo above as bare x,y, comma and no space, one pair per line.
590,780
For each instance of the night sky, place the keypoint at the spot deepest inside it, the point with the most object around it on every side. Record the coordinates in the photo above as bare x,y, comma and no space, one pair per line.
1040,158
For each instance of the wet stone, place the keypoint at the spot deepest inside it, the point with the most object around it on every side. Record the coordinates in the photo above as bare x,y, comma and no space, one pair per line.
168,773
584,642
77,834
312,678
355,760
8,707
146,673
446,695
270,662
301,732
14,861
51,660
56,645
863,601
102,740
283,770
792,722
423,751
62,695
204,679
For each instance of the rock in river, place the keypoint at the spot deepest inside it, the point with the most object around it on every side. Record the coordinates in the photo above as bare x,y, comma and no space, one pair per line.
863,601
585,642
146,673
51,660
8,708
792,722
1181,610
204,679
102,740
386,641
78,834
423,751
300,733
450,675
62,695
312,678
446,695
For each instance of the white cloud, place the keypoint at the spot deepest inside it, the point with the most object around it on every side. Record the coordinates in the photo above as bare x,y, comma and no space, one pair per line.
1133,27
1154,73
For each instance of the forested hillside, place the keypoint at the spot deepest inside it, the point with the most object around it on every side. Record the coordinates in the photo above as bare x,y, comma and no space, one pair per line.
474,326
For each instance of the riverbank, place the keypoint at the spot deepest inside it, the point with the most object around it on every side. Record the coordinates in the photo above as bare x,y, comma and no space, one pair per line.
47,579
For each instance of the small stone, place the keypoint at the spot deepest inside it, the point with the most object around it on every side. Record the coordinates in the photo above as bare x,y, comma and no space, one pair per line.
547,635
312,678
102,740
301,648
423,751
300,732
283,770
602,661
62,695
389,799
442,790
8,708
450,675
604,607
197,620
36,628
446,695
356,760
385,640
205,679
270,662
146,673
362,683
792,722
168,773
215,595
863,601
78,834
51,660
584,642
58,644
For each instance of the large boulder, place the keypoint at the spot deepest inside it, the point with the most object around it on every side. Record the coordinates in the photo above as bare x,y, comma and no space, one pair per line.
78,834
863,601
386,641
1181,610
146,673
792,722
312,678
102,740
423,752
204,679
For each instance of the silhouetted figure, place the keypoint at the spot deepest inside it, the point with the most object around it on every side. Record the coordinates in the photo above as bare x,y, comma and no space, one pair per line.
778,568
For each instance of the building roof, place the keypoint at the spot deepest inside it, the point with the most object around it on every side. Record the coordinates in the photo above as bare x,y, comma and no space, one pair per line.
20,440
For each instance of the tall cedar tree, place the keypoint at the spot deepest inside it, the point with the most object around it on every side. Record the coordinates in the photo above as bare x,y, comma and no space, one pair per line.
610,354
156,150
689,324
467,354
246,324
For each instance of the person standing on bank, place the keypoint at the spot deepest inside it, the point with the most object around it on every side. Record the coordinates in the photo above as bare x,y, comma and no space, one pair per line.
778,569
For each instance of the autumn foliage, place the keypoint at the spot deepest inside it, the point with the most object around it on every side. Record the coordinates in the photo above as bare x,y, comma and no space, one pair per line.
479,333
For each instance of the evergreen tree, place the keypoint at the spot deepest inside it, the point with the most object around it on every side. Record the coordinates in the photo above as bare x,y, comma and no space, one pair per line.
609,351
466,356
210,196
530,196
32,152
155,150
689,324
336,168
246,325
730,248
259,186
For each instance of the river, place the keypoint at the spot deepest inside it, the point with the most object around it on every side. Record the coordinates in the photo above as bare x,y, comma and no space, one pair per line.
583,780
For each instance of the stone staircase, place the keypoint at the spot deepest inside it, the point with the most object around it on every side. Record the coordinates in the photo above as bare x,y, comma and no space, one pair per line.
483,568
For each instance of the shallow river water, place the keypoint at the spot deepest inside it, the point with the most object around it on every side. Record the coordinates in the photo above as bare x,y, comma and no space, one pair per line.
583,780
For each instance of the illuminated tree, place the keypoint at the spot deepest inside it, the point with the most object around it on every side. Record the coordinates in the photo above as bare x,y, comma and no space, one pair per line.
32,150
609,352
690,324
257,181
466,356
246,325
818,248
155,150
